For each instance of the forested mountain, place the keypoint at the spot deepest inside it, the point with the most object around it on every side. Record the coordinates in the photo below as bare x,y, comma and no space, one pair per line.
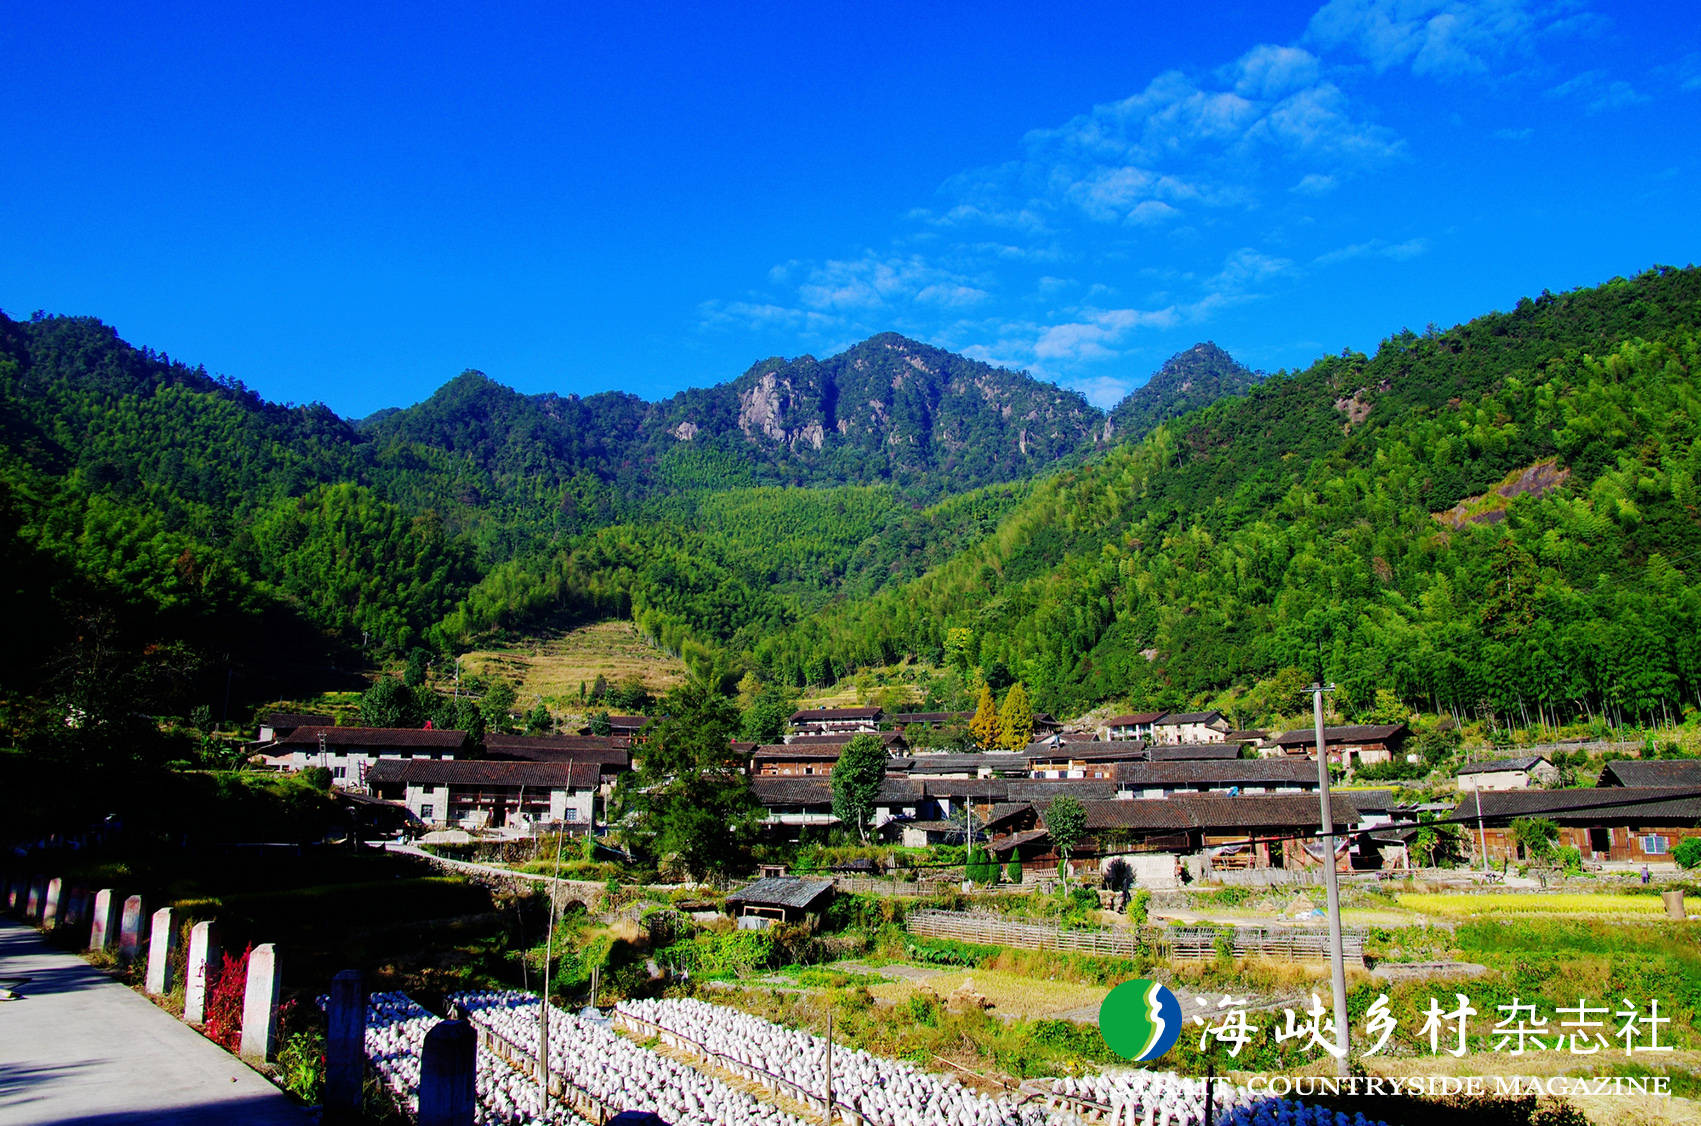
1313,527
1503,516
1187,381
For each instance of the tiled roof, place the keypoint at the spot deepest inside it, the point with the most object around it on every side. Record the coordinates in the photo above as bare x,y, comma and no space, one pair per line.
605,750
930,717
956,763
1370,801
388,737
1237,771
1118,750
773,790
1132,720
1044,789
1171,752
1216,812
1661,772
476,772
1307,737
1615,805
1266,811
887,739
788,752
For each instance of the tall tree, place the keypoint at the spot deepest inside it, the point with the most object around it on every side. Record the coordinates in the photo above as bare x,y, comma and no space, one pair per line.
1016,719
1066,824
856,781
984,726
690,802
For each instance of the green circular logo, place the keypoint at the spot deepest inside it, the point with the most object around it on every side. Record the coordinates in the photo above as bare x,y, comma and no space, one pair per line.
1140,1019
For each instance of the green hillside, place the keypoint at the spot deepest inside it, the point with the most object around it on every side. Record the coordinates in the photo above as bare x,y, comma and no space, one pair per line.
1237,550
1500,517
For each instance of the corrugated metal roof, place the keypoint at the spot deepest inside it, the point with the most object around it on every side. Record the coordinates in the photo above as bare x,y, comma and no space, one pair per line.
783,891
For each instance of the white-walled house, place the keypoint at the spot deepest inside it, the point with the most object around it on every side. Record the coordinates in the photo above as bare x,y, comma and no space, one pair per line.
487,793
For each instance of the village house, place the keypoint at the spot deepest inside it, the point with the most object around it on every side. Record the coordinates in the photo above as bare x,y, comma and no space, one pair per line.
349,752
1137,780
1191,727
1082,760
1247,831
1361,745
786,760
1519,773
1122,728
475,794
835,721
611,754
1616,824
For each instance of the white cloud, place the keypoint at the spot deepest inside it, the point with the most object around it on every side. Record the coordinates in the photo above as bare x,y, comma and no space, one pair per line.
1269,71
1443,38
1597,92
1246,267
1314,183
1374,248
763,316
873,282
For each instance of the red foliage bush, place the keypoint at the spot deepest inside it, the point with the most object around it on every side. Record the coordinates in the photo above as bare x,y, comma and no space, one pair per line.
224,1001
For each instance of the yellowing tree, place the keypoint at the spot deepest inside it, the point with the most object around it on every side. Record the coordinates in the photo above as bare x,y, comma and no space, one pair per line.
985,726
1016,719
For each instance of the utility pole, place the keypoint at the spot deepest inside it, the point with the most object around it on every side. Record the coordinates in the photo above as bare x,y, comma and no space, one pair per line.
543,1009
1337,967
1482,837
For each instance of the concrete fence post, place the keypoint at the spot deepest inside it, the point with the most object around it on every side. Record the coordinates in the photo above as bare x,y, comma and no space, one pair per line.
162,944
447,1071
260,1005
51,903
203,962
38,892
345,1047
130,930
103,935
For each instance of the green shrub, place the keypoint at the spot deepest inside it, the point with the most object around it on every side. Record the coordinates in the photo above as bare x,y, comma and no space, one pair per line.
1013,870
1688,852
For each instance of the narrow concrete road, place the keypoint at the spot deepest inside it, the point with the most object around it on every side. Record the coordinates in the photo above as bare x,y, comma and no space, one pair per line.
78,1047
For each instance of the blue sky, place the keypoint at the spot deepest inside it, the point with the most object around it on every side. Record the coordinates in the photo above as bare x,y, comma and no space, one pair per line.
353,203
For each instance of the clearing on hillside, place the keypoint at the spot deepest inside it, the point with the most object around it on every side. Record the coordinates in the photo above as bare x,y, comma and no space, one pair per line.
554,665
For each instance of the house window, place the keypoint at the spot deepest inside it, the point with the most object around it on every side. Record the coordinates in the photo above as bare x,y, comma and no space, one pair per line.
572,814
1654,845
426,810
339,772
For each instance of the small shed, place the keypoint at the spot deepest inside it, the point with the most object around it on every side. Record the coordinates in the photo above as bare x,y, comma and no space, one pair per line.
785,899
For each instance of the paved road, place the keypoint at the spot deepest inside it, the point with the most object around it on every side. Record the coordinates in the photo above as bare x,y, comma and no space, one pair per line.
81,1048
